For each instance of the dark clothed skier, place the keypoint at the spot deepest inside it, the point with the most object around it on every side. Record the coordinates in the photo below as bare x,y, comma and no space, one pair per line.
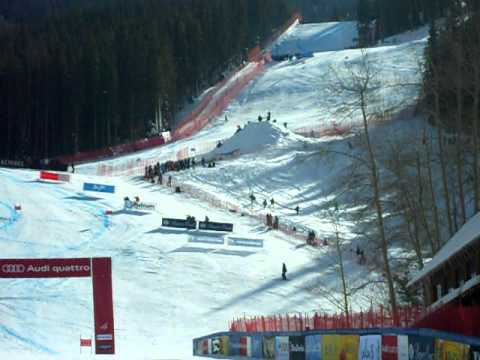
297,209
264,203
284,271
272,202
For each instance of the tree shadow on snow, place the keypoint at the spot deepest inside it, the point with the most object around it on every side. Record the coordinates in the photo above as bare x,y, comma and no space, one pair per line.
130,212
274,283
82,198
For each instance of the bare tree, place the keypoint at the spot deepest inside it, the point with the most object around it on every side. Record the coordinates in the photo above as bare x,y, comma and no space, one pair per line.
360,83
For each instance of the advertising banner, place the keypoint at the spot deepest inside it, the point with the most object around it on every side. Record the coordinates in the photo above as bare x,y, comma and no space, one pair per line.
45,268
389,347
394,347
282,350
340,347
12,163
234,344
257,346
297,347
48,175
451,350
100,269
216,345
313,347
99,188
179,223
103,305
197,347
246,346
215,226
370,347
205,346
420,348
269,347
475,353
245,242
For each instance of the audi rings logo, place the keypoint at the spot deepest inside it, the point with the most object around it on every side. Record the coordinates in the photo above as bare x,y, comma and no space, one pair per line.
13,268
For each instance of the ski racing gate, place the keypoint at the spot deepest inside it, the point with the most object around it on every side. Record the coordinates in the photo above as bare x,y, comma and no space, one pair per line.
99,269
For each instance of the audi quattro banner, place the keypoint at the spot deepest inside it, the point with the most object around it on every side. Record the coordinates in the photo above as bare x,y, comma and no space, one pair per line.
100,269
99,188
45,268
103,305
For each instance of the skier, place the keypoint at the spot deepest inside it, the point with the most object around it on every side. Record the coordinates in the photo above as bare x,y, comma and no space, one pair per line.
260,118
264,203
284,271
272,202
268,116
127,203
297,209
207,219
275,222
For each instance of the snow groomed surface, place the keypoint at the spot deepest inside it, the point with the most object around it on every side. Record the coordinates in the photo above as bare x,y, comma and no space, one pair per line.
171,286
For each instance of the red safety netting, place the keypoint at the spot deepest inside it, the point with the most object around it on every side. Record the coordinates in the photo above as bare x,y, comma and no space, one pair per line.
452,318
378,318
212,105
217,100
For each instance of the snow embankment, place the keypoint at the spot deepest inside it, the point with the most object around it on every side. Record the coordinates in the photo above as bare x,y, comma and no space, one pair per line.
310,38
255,137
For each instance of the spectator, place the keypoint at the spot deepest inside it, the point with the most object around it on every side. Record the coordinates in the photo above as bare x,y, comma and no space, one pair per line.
252,199
297,209
264,203
284,271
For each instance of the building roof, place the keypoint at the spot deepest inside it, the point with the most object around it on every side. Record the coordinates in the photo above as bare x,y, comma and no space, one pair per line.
467,234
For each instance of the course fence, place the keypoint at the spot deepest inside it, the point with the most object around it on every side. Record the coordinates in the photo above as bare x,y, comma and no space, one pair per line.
379,318
285,226
452,317
358,344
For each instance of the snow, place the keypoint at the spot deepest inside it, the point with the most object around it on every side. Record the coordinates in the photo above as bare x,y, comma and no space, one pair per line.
254,138
306,39
467,234
171,286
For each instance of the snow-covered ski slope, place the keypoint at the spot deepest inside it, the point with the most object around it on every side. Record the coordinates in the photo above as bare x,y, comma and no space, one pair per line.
303,93
173,285
169,285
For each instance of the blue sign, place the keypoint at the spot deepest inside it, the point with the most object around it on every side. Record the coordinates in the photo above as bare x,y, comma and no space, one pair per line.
99,188
313,347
